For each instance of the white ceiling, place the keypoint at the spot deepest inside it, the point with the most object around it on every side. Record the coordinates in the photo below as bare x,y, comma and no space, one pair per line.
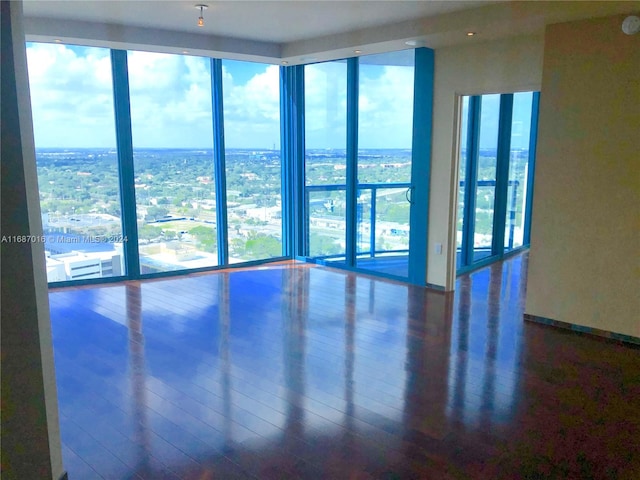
296,31
266,21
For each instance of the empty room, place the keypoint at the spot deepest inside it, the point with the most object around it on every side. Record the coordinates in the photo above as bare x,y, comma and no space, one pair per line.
319,239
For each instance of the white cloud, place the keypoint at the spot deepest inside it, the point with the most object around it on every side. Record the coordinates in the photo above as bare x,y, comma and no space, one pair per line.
252,110
170,101
326,105
385,106
385,118
71,96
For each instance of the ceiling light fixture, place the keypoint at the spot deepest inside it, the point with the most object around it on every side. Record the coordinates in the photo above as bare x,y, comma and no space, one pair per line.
357,51
202,8
284,62
470,34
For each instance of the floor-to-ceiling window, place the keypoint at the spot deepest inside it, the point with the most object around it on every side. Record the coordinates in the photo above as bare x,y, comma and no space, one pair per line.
165,106
171,124
251,99
496,159
151,163
77,164
487,167
518,170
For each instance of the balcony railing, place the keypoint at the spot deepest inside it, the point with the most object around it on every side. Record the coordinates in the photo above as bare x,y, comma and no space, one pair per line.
481,250
325,207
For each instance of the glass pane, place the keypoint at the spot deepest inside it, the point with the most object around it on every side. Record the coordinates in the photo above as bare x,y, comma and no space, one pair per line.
392,220
74,128
385,129
327,222
364,243
385,117
251,98
518,163
485,193
173,161
462,177
325,157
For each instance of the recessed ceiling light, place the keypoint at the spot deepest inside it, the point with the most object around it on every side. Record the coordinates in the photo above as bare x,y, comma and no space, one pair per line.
57,40
185,51
284,62
416,43
357,51
470,34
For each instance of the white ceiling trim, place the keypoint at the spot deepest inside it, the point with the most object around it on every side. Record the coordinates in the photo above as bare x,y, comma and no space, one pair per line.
148,39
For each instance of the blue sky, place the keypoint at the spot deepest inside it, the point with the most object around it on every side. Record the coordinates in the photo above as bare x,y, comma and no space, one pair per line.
385,105
490,110
521,121
72,102
171,101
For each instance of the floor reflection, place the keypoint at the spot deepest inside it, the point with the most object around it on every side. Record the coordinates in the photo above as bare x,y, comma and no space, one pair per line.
296,371
137,374
486,346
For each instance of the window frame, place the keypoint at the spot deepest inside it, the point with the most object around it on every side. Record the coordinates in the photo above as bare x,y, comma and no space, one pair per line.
503,154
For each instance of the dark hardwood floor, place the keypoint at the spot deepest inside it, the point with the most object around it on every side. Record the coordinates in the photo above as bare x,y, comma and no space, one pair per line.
294,371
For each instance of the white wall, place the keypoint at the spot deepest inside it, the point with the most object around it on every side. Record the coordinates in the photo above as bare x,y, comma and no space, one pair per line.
30,431
585,237
500,66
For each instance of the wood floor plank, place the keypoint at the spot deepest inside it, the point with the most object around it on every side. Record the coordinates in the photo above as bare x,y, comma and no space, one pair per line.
305,372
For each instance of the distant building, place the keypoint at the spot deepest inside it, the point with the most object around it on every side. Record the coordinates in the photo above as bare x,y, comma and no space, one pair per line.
250,176
264,214
81,266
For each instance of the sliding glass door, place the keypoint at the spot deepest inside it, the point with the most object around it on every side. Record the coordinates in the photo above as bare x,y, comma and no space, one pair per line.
495,175
359,162
385,127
